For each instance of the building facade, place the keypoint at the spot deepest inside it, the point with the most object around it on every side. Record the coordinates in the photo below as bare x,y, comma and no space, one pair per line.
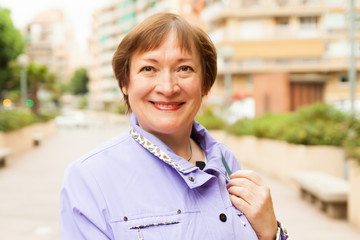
284,53
50,41
110,25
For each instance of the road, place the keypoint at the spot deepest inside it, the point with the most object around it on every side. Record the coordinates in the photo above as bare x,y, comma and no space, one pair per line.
31,182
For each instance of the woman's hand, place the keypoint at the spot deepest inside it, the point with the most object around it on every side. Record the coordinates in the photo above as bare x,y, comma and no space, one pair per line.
249,194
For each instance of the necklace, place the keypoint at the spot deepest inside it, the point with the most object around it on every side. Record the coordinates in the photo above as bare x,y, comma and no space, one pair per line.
190,151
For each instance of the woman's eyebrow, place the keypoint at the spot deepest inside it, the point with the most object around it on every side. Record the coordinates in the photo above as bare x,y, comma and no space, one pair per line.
149,60
154,60
185,59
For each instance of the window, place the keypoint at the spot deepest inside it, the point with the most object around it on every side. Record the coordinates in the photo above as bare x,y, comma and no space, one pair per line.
343,78
282,22
281,3
309,23
335,21
309,2
251,30
250,3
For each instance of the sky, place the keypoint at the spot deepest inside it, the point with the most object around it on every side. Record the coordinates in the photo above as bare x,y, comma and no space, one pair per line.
78,11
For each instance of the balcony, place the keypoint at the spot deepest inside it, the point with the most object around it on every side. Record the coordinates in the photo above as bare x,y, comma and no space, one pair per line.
287,65
219,11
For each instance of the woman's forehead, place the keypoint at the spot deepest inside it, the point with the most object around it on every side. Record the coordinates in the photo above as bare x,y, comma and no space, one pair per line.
168,49
184,43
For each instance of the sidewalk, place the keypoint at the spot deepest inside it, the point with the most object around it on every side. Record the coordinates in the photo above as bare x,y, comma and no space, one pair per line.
30,183
303,220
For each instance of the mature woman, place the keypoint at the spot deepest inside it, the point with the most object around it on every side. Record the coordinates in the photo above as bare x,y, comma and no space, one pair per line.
166,178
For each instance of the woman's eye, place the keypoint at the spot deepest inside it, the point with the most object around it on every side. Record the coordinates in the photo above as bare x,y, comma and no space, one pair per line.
186,68
147,69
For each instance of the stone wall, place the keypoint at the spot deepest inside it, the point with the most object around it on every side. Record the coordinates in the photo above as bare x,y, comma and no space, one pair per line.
280,159
354,197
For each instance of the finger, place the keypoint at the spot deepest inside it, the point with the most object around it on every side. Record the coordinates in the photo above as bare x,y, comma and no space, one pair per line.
248,174
240,204
242,182
255,195
243,193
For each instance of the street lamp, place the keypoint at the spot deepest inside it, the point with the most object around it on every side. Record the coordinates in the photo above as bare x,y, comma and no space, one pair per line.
23,61
352,68
227,53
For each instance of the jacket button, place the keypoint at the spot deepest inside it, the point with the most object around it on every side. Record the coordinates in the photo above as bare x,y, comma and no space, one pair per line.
222,217
192,179
125,219
179,211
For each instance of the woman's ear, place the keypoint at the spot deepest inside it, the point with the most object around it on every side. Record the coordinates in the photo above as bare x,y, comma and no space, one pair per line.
204,93
124,90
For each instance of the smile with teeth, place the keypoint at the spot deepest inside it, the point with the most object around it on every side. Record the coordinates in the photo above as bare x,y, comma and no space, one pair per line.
167,106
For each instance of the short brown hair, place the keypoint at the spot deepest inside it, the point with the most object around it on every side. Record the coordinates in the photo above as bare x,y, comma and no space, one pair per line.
149,34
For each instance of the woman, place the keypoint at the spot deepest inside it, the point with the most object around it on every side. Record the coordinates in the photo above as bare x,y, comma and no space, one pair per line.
146,183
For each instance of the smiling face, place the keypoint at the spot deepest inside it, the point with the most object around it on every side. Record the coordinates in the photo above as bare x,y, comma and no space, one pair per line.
165,87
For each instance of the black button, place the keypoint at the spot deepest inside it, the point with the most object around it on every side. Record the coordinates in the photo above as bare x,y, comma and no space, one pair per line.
191,178
223,217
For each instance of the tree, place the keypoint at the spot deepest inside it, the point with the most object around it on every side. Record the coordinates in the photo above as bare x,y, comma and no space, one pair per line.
38,76
11,45
78,83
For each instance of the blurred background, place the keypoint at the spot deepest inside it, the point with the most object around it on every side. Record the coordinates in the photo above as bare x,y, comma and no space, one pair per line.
286,100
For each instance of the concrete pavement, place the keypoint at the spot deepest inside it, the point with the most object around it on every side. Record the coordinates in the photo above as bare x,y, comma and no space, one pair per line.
30,185
303,220
31,182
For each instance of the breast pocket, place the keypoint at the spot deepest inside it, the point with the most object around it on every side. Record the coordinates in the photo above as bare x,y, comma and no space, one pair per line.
156,226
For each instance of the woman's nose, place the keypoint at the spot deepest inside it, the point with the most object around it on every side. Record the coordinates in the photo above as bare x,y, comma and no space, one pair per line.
167,84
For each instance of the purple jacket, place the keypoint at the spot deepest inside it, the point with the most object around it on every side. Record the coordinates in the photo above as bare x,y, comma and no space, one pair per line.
135,187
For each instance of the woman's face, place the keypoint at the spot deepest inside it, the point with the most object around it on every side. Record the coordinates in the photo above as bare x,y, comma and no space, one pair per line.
165,88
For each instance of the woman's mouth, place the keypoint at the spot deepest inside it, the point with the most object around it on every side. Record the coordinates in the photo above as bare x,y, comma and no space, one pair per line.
167,106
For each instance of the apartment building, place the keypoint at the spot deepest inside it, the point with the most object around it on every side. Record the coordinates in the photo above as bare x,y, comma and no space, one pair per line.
50,41
110,25
283,53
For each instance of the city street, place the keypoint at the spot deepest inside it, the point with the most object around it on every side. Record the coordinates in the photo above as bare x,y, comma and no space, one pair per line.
31,182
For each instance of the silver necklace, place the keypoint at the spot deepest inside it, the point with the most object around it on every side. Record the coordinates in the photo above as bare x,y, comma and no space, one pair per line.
190,151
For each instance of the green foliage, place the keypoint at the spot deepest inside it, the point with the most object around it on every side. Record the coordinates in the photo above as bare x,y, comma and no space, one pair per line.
267,126
210,121
120,108
319,124
11,45
38,76
12,120
352,141
82,102
78,83
15,119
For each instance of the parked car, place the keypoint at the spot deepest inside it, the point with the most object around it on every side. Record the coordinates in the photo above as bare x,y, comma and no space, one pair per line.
242,108
71,119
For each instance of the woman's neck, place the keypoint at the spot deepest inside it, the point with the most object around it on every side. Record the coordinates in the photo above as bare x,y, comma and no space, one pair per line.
178,142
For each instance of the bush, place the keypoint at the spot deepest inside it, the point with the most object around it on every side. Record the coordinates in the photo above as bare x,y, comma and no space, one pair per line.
210,121
319,124
15,119
352,141
267,126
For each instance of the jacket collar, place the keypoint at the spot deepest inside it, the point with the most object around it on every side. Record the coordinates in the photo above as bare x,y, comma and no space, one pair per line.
159,149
